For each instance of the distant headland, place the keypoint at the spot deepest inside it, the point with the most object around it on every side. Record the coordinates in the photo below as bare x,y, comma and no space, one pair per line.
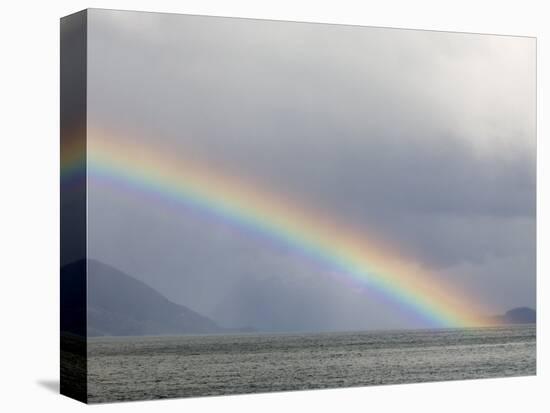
519,315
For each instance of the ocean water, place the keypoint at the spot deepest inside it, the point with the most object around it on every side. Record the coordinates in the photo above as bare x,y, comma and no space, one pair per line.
138,368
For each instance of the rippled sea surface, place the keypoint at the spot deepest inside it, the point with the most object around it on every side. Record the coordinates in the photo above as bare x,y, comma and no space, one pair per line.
137,368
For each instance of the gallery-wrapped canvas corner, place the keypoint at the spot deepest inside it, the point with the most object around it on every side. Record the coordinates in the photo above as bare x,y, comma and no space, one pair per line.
256,206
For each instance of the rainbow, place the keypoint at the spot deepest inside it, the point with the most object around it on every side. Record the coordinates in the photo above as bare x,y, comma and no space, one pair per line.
353,256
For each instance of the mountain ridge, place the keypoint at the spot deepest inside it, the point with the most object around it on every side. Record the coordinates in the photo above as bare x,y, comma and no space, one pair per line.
120,305
518,315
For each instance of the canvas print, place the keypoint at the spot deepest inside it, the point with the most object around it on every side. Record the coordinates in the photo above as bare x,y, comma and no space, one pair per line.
257,206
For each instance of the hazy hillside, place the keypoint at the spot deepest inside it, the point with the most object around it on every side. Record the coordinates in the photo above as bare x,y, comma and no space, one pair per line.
118,304
520,315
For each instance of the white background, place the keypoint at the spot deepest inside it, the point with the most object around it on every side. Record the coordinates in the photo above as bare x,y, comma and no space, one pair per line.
29,205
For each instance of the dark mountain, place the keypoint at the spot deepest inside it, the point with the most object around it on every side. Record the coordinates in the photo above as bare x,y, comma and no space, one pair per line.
118,304
521,315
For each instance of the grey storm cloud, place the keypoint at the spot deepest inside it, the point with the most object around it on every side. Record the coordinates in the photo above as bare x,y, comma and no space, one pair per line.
425,139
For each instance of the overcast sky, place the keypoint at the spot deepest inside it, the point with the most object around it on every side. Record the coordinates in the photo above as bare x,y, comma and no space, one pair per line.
423,139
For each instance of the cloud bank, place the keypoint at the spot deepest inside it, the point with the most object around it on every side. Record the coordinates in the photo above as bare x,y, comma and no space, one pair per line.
425,140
